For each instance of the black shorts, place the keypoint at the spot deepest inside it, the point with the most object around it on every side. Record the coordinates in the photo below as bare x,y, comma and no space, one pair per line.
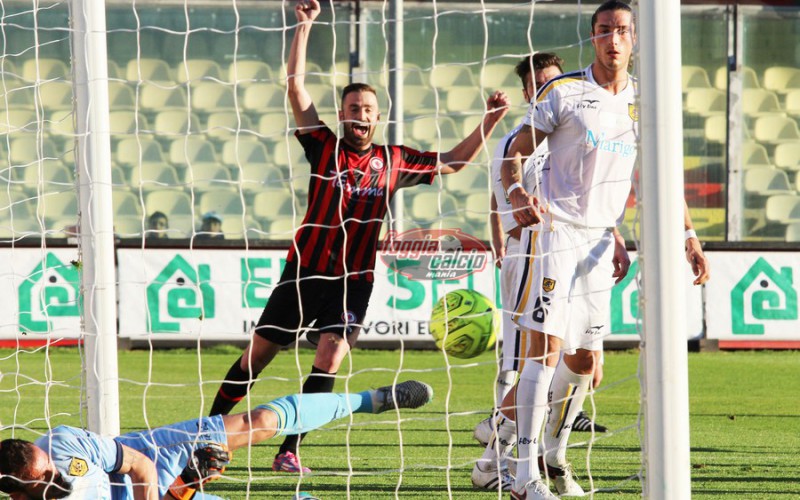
321,304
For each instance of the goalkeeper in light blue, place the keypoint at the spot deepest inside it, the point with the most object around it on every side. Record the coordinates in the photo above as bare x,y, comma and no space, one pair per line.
174,462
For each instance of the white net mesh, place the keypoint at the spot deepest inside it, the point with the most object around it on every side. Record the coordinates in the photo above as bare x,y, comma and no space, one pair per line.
202,131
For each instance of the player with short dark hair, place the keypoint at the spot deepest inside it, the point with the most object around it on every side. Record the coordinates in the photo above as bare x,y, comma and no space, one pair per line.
327,282
174,461
590,121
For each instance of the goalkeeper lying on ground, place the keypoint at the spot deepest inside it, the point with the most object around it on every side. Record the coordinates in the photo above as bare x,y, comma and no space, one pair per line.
174,461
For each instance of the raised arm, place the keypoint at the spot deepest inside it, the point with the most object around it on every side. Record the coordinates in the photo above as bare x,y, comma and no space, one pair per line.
496,225
305,115
143,474
694,251
526,207
466,150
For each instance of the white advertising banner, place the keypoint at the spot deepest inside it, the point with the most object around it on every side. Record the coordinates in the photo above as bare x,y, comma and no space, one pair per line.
753,296
41,294
220,294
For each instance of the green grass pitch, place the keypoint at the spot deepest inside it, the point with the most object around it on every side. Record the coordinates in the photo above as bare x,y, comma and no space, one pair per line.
745,420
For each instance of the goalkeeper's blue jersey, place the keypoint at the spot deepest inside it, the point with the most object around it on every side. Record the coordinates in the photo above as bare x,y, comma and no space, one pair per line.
89,461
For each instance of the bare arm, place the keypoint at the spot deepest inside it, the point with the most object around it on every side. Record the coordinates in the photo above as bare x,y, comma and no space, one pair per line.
526,207
143,474
305,114
621,260
497,233
694,251
466,150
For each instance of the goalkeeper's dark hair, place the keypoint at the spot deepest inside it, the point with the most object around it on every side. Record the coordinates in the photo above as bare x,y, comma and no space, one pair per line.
611,5
537,61
357,87
14,455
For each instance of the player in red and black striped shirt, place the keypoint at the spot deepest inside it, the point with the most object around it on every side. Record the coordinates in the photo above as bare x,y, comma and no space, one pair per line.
326,284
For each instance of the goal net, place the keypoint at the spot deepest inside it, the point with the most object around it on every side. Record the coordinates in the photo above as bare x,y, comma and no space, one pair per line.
200,132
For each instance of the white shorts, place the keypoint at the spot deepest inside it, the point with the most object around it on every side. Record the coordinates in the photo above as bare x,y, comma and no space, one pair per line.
564,288
515,346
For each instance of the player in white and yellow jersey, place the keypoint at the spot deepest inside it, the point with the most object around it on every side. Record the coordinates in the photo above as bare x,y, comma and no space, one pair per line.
590,121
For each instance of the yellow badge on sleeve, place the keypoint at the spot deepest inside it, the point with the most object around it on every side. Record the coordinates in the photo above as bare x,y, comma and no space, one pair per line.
633,112
548,284
78,467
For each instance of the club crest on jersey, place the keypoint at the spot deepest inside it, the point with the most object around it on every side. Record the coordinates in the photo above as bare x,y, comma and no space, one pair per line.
633,112
349,317
548,284
78,467
376,164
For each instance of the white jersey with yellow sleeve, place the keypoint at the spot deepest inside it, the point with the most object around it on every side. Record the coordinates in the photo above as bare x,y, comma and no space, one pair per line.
592,139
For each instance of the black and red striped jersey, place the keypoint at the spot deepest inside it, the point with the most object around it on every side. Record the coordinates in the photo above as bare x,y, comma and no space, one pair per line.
348,197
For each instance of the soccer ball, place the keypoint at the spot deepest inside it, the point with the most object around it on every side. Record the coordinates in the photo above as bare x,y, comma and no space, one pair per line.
464,324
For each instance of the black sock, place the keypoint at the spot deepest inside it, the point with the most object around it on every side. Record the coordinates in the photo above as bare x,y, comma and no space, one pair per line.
232,390
318,381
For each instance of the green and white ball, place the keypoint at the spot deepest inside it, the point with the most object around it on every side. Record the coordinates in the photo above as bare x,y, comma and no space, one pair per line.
464,323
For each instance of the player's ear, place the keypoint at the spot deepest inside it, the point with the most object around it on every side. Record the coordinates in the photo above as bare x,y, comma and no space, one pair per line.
341,115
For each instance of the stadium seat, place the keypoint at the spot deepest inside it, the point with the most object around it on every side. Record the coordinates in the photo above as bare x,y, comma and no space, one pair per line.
256,178
282,229
465,100
129,227
55,95
477,207
783,209
313,75
748,76
240,152
29,148
18,229
787,156
716,128
48,175
412,75
17,95
121,96
775,130
427,206
225,125
45,69
154,98
54,205
59,124
291,159
273,127
260,98
17,121
340,74
760,102
754,155
793,233
706,102
766,182
433,133
323,95
17,203
132,151
194,70
154,176
782,79
792,104
694,77
126,203
226,202
496,76
170,124
125,123
417,100
273,205
212,97
118,178
172,203
249,72
468,180
451,75
114,71
205,176
149,70
239,228
191,151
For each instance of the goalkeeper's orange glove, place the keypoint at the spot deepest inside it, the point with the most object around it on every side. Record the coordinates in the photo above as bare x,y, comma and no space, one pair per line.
205,464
